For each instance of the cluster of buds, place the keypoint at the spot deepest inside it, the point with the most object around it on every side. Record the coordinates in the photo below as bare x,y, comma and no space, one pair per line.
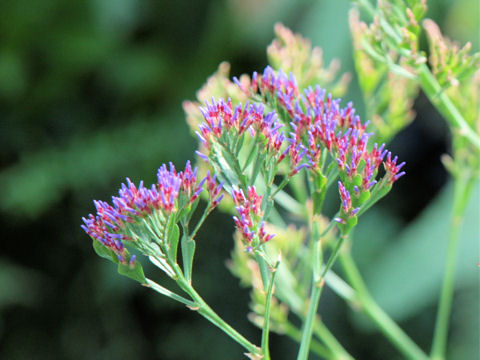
249,220
222,120
320,124
293,53
449,62
173,192
389,94
231,134
395,31
323,124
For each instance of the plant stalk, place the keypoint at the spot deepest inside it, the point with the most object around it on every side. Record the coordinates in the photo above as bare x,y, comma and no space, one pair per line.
389,328
317,348
317,287
266,316
462,190
207,312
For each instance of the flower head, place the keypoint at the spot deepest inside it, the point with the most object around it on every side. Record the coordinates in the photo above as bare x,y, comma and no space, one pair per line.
174,191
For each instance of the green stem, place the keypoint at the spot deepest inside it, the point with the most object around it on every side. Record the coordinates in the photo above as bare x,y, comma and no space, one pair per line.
330,341
164,291
316,292
308,324
389,328
200,222
284,182
289,296
207,312
462,190
295,334
444,104
266,316
333,255
203,309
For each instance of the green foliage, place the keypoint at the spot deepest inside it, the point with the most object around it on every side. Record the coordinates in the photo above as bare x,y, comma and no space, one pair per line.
134,272
41,179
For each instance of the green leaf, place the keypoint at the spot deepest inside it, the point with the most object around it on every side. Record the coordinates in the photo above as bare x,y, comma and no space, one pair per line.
173,235
104,252
188,251
135,272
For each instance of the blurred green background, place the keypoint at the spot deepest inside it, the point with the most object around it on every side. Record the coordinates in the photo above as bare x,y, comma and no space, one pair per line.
91,92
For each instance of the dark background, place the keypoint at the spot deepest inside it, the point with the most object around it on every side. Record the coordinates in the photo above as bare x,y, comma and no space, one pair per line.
91,92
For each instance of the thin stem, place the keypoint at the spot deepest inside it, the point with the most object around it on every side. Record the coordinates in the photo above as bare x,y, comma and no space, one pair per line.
317,287
284,182
337,285
200,222
330,341
389,328
206,311
295,334
164,291
334,255
212,316
309,320
266,316
462,190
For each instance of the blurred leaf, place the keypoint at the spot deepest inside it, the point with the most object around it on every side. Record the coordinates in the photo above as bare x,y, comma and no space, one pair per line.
38,180
136,71
326,25
12,74
115,16
465,330
461,23
261,15
406,277
19,286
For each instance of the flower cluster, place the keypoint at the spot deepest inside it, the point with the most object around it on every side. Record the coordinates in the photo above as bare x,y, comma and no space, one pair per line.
320,124
249,222
173,192
221,119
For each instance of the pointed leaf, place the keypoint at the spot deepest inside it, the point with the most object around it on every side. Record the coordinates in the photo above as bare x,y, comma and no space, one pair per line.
135,272
188,251
103,251
173,235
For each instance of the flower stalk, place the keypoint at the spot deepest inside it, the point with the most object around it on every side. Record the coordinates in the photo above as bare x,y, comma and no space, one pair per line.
368,305
463,185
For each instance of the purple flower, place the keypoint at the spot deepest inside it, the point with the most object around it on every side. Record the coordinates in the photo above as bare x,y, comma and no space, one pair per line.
248,222
172,192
